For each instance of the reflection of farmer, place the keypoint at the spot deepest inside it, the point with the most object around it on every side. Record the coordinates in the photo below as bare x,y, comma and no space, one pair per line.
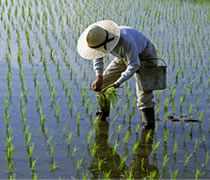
131,50
104,153
140,166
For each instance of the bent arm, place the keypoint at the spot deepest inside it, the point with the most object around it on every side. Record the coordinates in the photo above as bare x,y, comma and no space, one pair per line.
133,66
98,66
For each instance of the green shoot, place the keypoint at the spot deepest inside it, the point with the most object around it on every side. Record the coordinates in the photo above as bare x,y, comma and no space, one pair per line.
119,128
89,136
122,161
69,138
127,136
166,135
115,147
109,96
156,147
78,118
94,148
186,161
148,137
197,175
166,104
174,175
137,128
52,150
175,147
135,147
79,162
191,107
204,137
74,151
201,116
107,175
53,166
165,160
196,145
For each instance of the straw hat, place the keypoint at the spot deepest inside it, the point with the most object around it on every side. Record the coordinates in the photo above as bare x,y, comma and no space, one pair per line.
98,39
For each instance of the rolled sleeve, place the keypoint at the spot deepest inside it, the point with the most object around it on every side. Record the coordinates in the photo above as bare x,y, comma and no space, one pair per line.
98,66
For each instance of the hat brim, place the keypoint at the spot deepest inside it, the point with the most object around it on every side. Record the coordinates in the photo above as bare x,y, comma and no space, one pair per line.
94,53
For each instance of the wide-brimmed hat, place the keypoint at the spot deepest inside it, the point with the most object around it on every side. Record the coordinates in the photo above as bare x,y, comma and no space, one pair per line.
98,39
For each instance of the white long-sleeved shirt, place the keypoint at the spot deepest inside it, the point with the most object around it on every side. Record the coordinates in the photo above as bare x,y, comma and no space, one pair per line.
130,45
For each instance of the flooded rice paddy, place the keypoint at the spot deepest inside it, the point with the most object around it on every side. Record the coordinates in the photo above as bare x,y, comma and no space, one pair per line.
47,109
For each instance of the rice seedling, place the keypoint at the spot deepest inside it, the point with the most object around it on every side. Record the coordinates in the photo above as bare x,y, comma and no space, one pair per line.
166,102
174,174
85,176
156,147
154,175
125,107
204,137
148,137
30,153
87,104
83,95
78,118
79,162
175,147
165,119
130,174
52,150
64,129
89,136
191,108
135,147
137,128
122,161
196,145
115,148
165,160
166,132
28,140
42,120
127,136
57,111
69,139
74,151
110,96
53,166
134,102
107,175
197,175
91,110
94,149
201,116
186,160
142,163
32,168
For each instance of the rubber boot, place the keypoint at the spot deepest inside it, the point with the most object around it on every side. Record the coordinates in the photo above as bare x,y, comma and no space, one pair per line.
103,109
148,118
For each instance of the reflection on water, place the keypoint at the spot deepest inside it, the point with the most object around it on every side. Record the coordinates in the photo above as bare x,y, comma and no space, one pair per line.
105,161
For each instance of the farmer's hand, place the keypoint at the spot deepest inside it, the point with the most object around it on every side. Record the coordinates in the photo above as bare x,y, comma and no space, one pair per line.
97,84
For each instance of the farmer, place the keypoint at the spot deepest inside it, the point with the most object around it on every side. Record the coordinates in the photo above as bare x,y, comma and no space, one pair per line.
131,50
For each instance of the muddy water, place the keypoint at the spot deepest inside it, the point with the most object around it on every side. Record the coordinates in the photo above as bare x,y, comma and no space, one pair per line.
177,30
